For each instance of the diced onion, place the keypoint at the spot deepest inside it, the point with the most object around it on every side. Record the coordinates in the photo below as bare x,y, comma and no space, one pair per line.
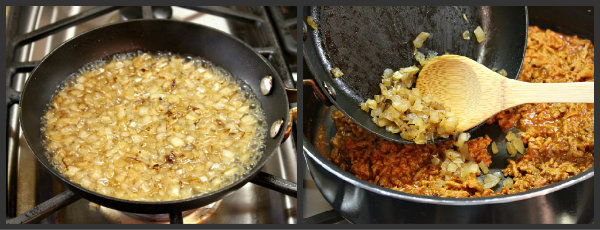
452,167
508,183
311,22
494,147
519,146
511,149
480,180
337,72
479,34
503,72
490,181
498,174
420,57
466,35
149,127
435,161
418,42
483,167
510,136
462,138
405,110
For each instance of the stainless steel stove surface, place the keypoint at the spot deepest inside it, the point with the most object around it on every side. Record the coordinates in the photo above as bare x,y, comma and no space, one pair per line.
29,184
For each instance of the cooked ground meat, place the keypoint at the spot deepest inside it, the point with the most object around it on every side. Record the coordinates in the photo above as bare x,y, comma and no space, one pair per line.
403,167
559,137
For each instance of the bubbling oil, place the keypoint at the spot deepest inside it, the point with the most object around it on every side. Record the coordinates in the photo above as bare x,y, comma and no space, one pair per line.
154,127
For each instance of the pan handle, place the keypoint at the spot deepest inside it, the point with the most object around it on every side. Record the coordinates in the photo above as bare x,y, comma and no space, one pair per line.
276,183
292,94
317,91
45,209
292,97
293,117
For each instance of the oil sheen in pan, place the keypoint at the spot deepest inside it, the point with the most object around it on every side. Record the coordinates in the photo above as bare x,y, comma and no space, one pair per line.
153,127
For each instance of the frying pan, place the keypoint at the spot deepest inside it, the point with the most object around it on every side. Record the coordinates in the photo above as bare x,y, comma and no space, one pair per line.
154,36
363,41
358,201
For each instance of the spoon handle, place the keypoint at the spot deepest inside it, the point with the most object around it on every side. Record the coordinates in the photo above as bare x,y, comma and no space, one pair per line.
518,92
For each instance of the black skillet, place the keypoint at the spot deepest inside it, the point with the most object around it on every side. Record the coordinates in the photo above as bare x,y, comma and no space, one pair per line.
151,35
363,41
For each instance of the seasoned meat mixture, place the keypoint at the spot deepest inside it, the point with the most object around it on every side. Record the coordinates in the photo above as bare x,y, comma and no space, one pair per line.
559,138
404,167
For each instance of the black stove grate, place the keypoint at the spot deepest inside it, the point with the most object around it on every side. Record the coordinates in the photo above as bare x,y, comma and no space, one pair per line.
259,18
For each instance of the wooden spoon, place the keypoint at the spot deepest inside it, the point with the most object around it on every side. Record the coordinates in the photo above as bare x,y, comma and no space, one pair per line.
475,93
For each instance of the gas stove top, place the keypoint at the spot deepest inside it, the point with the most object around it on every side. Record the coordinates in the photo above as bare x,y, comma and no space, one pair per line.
35,31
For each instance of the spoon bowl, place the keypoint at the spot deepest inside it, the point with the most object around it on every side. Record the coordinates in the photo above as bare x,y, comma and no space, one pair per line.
474,93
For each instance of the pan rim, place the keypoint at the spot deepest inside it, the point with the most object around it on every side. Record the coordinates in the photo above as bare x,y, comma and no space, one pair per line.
314,155
92,195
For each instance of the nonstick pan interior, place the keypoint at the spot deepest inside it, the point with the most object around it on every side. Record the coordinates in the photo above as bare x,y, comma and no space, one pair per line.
363,41
154,36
